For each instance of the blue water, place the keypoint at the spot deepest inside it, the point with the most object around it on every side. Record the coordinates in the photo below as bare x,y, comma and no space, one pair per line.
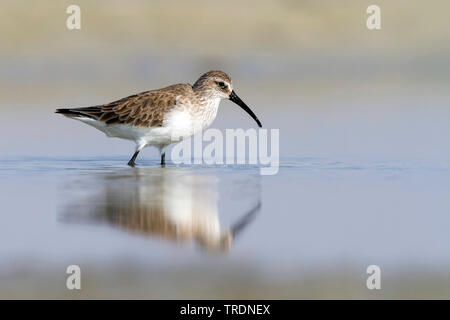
315,212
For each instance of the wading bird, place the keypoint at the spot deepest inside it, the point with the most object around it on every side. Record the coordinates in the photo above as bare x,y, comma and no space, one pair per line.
162,116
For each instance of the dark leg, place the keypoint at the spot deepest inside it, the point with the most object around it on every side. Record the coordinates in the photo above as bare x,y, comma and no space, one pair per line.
163,159
131,162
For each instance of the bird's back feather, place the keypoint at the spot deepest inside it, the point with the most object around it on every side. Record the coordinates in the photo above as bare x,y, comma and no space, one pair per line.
145,109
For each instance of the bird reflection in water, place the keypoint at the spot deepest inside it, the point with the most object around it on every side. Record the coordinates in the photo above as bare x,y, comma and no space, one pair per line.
169,203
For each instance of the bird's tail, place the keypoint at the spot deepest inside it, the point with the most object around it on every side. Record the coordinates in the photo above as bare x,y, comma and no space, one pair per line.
69,112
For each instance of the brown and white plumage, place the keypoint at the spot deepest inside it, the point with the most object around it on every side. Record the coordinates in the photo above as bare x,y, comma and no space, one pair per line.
145,109
163,116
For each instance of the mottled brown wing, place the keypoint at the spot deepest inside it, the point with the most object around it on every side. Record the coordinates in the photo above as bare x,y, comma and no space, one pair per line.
145,109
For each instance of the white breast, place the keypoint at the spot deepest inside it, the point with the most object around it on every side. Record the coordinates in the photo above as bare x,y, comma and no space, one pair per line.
210,112
179,124
185,122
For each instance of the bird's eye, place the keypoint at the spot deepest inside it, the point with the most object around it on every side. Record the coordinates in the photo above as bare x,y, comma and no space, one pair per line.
221,84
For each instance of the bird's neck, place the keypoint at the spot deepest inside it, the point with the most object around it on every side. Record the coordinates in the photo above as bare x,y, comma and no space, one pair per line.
204,93
206,111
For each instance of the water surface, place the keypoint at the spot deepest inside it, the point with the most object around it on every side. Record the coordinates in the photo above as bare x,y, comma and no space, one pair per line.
336,216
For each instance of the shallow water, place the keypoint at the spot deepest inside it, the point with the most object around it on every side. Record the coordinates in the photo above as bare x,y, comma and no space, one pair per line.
316,214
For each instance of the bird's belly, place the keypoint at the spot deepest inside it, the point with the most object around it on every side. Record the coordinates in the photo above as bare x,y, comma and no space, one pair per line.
123,131
177,125
142,135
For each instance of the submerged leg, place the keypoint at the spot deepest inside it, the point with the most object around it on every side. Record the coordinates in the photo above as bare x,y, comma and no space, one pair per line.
163,159
162,150
131,162
139,146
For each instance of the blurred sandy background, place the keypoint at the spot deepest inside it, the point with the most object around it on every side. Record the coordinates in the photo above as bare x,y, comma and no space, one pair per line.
311,68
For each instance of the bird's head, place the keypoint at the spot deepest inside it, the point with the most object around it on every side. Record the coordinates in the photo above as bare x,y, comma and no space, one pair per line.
218,85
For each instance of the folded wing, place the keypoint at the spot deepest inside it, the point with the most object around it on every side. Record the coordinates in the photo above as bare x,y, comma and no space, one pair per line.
145,109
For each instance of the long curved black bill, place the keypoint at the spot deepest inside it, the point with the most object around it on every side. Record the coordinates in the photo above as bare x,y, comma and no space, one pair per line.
234,97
